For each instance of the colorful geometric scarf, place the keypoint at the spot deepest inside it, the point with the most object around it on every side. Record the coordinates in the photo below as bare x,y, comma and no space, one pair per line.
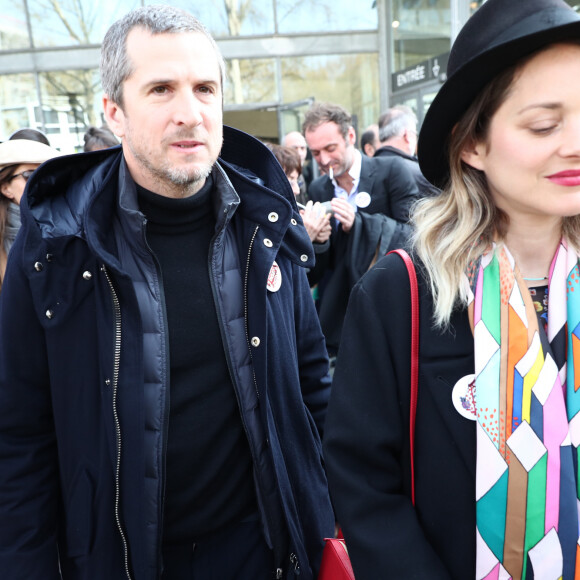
526,401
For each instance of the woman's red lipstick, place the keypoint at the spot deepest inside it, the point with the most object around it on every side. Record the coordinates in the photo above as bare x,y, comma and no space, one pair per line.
569,178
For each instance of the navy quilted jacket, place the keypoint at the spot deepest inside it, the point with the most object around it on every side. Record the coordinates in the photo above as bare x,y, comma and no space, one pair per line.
84,369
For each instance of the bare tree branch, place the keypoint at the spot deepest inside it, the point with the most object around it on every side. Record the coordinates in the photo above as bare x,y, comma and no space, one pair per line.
60,13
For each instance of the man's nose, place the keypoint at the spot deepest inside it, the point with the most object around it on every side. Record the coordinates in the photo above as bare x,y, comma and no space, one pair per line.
187,109
325,158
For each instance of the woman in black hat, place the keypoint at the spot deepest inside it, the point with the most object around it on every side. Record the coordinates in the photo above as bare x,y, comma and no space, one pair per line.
497,256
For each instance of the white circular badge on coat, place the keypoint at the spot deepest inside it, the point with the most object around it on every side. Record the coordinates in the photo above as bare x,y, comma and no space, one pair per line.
362,199
274,278
463,397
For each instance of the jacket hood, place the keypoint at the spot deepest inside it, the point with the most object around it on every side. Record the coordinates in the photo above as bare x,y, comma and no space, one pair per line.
67,184
241,150
64,187
60,191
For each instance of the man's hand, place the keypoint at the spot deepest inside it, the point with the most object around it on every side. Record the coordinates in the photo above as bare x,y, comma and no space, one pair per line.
343,212
317,222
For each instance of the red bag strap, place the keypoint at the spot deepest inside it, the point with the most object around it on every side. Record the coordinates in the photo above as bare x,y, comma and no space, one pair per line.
414,358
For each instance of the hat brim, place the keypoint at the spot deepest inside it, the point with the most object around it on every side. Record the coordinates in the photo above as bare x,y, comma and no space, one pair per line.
461,89
21,151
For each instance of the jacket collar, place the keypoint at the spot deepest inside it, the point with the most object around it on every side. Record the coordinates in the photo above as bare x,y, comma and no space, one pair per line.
260,205
389,151
367,174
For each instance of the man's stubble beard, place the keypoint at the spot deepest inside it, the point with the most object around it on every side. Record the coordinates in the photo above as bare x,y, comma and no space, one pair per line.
181,182
187,179
184,182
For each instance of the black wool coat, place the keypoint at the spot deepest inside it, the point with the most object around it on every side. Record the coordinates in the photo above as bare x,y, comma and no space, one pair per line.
366,443
425,188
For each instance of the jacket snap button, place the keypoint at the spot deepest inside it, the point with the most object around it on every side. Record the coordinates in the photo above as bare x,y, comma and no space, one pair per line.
304,258
87,275
268,243
49,314
38,266
49,257
273,217
255,341
293,222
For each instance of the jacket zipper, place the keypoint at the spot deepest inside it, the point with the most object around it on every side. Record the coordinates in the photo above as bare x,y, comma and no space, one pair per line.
295,563
246,317
116,367
278,571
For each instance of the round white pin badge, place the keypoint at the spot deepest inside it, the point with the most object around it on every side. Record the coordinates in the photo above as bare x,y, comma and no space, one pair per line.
463,397
362,199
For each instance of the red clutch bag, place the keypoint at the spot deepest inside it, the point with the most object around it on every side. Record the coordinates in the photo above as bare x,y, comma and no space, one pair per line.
335,561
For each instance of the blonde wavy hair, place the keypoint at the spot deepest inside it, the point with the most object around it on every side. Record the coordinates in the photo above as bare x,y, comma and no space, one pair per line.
454,229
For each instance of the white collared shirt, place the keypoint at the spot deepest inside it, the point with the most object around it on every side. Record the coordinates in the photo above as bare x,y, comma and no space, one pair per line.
354,172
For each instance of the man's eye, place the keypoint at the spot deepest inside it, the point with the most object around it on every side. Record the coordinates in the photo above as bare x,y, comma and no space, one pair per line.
160,90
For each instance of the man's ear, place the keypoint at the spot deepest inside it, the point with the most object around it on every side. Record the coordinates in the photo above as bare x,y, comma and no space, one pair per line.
351,136
114,116
474,155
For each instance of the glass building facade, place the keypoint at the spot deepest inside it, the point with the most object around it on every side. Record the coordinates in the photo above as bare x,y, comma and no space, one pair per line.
281,56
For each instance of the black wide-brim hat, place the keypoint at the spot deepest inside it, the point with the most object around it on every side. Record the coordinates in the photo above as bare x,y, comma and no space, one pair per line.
498,35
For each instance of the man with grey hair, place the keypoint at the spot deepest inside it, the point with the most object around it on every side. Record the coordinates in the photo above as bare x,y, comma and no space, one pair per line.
163,376
398,138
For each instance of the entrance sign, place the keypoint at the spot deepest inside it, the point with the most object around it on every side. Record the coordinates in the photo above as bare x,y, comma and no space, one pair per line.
427,70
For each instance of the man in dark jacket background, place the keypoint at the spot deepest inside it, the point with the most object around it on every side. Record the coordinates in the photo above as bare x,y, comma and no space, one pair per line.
163,376
398,138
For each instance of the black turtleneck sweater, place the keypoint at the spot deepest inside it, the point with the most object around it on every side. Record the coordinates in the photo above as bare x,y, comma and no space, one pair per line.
209,481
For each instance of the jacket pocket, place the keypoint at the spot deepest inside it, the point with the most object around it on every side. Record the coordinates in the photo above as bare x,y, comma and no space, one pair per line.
79,517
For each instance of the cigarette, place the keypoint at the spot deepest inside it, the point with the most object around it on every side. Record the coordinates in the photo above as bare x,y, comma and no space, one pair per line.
330,173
